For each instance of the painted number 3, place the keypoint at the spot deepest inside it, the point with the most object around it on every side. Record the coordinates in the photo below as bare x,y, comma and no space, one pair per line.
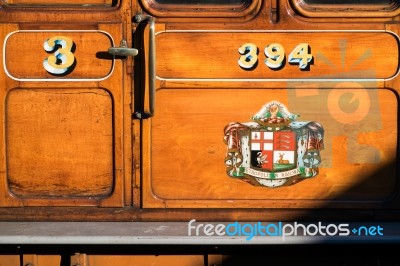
275,56
62,58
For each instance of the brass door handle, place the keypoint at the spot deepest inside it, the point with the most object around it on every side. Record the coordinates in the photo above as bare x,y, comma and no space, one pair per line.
123,50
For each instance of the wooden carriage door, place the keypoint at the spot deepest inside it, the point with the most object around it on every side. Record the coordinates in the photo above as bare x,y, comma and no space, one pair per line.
63,101
217,86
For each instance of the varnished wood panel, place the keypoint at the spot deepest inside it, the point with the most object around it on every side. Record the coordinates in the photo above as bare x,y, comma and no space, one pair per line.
186,150
90,50
382,9
59,143
178,154
146,260
240,10
41,260
58,3
9,260
214,55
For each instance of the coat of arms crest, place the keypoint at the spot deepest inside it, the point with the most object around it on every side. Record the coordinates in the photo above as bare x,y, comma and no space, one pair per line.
273,150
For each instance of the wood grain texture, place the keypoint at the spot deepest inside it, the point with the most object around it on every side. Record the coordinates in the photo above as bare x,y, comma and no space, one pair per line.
90,50
38,260
146,260
92,111
187,151
59,3
9,260
171,167
214,55
59,143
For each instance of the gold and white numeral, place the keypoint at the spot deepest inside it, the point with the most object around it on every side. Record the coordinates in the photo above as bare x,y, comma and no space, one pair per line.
275,55
62,58
300,55
249,53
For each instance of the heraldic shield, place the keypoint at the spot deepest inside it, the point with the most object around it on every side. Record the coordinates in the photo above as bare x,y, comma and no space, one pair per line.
273,150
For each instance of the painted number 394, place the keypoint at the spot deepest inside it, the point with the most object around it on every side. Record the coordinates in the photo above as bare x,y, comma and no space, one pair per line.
275,55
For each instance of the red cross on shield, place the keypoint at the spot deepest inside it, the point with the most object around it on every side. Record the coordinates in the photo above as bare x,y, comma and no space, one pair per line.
273,151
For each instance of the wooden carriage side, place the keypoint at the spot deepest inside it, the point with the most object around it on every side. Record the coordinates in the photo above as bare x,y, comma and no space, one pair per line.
137,132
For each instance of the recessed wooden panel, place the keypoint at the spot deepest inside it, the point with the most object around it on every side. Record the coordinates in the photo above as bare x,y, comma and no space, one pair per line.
204,2
215,55
59,3
227,9
186,147
342,2
88,52
351,9
59,143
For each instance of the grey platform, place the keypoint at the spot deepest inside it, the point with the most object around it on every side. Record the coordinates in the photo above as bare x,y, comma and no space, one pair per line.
160,233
